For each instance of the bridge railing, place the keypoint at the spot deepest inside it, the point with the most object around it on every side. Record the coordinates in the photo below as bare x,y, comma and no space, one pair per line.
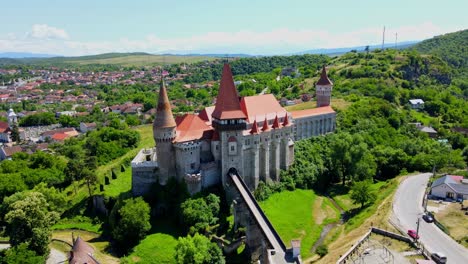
252,198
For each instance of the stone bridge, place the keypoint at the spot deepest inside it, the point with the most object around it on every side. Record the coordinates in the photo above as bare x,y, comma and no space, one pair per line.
262,240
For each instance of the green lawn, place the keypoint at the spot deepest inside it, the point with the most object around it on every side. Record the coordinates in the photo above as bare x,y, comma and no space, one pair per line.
291,213
123,183
338,103
155,248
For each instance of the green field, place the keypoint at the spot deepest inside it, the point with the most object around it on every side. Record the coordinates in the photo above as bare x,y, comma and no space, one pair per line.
299,214
155,248
136,59
140,60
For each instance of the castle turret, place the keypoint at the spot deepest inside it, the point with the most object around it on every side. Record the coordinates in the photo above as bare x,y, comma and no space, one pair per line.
164,132
323,89
229,120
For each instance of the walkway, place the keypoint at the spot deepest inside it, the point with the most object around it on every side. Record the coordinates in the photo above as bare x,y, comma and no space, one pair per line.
280,256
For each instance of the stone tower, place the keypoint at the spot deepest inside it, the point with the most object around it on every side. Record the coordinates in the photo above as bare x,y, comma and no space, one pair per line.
164,133
229,120
323,89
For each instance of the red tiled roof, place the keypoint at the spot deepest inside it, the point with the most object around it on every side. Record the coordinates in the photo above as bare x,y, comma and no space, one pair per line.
324,78
4,127
206,113
60,136
191,127
261,106
9,151
164,116
227,103
312,112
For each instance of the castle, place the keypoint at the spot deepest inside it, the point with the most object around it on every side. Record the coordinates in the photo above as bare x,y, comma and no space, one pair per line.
253,134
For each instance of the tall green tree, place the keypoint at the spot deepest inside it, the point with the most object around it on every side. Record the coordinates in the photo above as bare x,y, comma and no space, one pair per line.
198,249
134,222
29,221
361,193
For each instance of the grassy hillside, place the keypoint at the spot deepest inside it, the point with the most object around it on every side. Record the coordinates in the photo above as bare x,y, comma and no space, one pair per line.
123,59
451,47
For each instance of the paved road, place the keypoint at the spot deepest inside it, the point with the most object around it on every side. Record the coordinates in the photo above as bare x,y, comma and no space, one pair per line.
407,208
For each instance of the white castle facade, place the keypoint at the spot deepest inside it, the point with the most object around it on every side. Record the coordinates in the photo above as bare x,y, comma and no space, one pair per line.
253,134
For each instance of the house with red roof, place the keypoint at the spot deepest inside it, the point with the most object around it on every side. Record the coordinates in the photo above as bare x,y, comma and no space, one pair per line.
253,134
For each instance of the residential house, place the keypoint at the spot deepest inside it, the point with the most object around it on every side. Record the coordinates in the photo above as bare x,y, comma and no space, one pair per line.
451,187
7,152
4,132
426,129
85,127
416,103
59,134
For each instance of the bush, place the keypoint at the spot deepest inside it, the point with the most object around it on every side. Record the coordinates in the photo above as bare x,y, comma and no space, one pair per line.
322,250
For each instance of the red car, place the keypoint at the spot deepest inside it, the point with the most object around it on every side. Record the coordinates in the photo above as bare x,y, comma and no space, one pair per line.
413,234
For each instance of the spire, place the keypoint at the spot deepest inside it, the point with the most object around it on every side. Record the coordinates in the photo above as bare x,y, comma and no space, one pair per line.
286,120
164,116
227,103
324,78
265,127
254,129
276,123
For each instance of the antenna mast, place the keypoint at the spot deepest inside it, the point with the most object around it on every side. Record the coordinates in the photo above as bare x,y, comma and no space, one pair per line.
383,38
396,40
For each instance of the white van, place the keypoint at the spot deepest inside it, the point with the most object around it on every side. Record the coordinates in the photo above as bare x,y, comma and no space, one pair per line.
439,258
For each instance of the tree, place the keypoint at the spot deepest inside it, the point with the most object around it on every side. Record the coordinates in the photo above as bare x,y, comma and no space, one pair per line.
15,136
361,193
134,222
199,213
29,221
198,250
20,255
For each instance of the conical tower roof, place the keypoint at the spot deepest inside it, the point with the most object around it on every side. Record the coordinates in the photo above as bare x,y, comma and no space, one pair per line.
286,120
227,103
254,129
276,123
265,127
324,78
164,117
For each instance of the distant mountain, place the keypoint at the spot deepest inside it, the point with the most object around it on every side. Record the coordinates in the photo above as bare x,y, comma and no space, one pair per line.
451,47
338,51
20,55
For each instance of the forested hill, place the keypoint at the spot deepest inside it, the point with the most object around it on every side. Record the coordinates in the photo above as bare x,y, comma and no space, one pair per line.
451,47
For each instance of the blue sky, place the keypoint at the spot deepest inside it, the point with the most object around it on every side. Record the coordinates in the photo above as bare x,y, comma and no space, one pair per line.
257,27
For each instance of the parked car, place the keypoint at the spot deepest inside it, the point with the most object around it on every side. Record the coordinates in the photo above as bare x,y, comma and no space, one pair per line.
439,258
412,233
428,218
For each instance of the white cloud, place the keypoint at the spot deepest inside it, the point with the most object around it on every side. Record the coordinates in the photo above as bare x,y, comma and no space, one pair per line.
46,39
43,31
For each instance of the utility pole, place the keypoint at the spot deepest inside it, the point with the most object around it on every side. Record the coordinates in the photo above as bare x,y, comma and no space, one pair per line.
417,228
383,38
